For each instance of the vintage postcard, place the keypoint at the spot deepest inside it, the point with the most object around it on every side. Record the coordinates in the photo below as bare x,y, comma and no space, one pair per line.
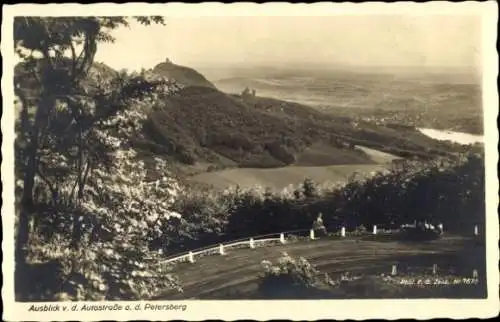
249,161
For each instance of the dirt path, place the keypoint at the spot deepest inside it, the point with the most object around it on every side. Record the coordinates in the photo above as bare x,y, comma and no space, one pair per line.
239,270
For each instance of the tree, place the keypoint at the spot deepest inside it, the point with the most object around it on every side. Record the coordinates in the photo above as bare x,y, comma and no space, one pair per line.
57,55
310,189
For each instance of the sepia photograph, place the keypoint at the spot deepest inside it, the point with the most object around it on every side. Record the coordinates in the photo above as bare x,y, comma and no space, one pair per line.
158,157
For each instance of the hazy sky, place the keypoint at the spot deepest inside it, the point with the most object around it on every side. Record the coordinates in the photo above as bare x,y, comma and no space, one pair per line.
391,40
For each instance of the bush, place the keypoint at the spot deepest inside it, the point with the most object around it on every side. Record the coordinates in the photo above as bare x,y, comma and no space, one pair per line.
186,157
100,271
360,230
290,278
309,188
204,222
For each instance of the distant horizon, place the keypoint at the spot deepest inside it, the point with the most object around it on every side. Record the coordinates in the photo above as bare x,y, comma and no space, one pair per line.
445,42
221,72
306,65
312,66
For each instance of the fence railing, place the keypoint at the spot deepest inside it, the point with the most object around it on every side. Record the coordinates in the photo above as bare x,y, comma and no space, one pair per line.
250,241
253,240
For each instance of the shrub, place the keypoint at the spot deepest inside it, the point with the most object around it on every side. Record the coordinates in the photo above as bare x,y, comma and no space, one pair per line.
309,188
290,278
360,230
206,213
100,271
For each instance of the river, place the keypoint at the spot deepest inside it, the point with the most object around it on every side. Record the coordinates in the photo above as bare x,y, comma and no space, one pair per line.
457,137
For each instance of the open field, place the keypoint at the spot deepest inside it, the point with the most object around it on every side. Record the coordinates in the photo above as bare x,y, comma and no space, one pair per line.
237,273
318,163
279,178
378,156
324,155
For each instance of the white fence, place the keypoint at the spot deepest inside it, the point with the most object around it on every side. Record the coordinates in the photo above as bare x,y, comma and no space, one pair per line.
221,248
250,241
253,241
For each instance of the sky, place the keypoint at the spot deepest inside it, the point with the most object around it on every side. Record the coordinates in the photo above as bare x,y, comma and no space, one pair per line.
444,41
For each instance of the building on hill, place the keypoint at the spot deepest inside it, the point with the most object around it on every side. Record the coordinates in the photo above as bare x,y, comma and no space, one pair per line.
248,92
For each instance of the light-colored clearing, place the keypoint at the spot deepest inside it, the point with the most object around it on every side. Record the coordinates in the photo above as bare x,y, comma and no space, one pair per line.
280,178
378,156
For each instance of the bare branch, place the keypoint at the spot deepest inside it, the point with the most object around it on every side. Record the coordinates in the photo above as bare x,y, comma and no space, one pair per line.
73,62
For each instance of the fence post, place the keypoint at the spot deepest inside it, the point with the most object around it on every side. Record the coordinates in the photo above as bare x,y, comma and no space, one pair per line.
476,230
282,238
374,229
311,234
394,270
252,243
221,250
342,232
434,269
191,257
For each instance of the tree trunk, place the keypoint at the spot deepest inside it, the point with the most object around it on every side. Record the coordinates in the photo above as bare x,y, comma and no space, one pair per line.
77,231
27,202
77,224
23,220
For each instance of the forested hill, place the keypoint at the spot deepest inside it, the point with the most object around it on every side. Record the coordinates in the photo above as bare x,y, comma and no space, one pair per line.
207,125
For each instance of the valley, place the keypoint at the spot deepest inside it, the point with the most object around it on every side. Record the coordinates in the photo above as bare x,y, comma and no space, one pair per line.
444,101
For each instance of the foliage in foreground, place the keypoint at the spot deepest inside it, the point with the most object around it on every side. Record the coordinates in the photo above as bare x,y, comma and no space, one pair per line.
297,278
291,278
88,204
